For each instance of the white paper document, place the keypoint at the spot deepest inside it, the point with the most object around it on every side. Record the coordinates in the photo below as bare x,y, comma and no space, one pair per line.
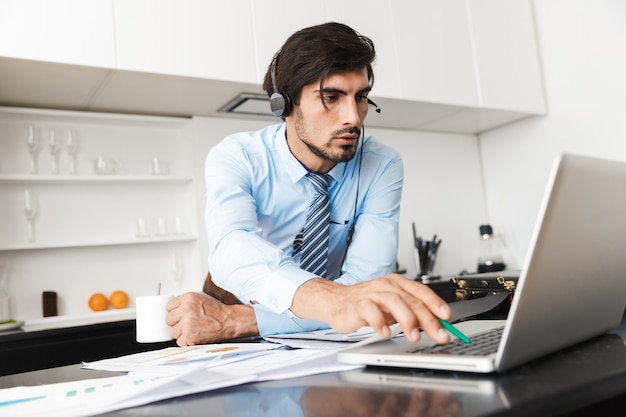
331,339
167,373
95,396
179,359
329,335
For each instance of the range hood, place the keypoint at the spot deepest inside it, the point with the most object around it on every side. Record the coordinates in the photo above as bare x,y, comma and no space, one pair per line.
248,104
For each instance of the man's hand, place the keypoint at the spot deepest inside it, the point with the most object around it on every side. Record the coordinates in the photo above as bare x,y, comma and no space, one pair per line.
197,318
377,303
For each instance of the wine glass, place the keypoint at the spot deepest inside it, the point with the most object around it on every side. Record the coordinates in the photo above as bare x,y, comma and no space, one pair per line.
32,141
73,145
30,210
55,148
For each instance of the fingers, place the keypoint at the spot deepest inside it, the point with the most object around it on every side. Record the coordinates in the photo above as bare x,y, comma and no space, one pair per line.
374,318
425,294
173,303
394,298
178,301
186,319
412,315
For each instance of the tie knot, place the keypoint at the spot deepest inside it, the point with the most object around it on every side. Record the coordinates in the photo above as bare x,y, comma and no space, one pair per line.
319,181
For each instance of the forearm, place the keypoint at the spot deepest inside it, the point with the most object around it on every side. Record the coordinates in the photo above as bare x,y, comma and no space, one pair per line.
217,324
241,322
316,299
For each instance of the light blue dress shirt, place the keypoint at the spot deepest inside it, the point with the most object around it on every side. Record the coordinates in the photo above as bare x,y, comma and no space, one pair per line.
256,203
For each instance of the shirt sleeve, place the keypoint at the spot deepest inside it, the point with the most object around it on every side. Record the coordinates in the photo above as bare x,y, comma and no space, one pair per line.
241,259
373,251
271,323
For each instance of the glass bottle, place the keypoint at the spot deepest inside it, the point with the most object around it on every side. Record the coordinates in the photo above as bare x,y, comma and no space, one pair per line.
489,258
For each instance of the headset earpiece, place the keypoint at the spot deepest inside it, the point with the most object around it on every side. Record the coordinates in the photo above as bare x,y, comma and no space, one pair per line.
280,103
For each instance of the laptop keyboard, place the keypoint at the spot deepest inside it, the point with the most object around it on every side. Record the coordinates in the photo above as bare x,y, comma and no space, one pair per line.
484,343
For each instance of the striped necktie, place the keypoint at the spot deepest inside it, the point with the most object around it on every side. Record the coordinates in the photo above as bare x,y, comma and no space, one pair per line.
314,256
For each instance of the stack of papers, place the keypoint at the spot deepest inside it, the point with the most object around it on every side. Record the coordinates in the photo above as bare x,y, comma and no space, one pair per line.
172,372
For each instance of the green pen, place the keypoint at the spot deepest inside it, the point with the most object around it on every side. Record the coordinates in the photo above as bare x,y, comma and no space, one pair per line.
446,325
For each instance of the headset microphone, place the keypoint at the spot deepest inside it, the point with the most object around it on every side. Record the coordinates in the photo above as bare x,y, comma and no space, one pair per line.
369,101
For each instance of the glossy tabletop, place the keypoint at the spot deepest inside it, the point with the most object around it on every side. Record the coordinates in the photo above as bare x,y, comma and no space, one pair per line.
575,378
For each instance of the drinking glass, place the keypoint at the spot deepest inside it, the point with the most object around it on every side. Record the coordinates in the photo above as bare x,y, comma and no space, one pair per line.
32,141
30,210
55,148
73,145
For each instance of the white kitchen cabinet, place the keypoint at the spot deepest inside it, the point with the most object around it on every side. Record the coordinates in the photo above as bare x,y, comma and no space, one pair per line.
507,59
450,65
435,54
208,39
95,232
64,31
477,59
476,54
462,66
55,54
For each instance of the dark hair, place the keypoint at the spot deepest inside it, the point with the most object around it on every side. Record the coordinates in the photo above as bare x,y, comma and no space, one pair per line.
311,54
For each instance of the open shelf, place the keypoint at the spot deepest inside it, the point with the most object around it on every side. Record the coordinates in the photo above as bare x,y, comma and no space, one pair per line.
131,241
33,178
63,321
126,228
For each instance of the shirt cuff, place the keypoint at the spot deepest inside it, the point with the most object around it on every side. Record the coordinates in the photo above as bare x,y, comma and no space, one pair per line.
271,323
280,287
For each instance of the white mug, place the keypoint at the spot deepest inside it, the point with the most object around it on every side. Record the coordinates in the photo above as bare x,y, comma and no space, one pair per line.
151,313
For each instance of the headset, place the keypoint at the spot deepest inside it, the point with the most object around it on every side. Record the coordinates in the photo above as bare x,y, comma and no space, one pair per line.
280,102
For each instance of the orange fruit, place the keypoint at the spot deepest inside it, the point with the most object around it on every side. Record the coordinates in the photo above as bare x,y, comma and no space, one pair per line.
119,299
98,302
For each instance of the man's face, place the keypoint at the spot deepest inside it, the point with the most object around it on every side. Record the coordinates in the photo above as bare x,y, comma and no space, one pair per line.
325,128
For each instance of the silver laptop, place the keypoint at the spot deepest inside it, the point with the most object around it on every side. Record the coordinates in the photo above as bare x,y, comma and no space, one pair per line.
571,288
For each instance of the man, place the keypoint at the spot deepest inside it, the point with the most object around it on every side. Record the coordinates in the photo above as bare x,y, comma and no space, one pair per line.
260,189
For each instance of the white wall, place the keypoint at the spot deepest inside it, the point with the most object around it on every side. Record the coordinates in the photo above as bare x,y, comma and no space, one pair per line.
583,51
442,195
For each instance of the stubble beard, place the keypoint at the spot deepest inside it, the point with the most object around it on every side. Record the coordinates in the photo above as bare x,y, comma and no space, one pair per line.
327,152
